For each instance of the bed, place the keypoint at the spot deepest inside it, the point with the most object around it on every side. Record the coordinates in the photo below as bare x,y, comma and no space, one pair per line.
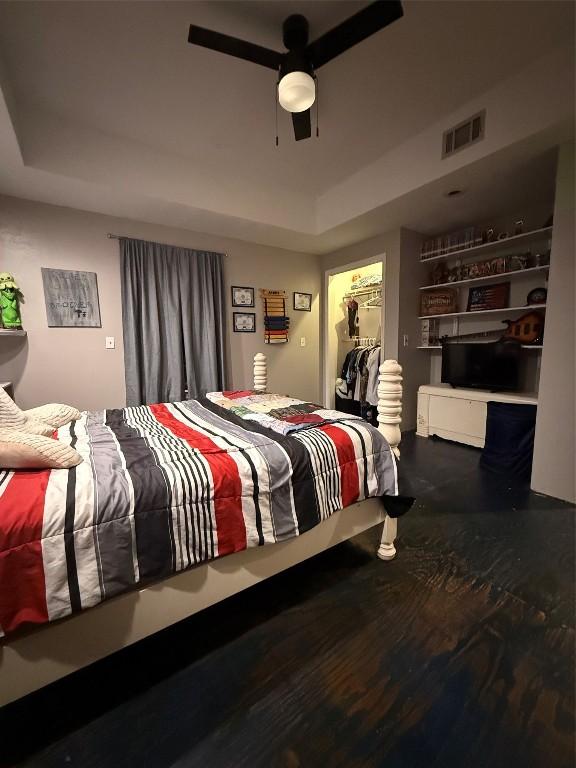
173,509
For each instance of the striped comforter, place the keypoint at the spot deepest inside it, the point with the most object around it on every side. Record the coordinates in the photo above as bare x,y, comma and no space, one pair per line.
164,487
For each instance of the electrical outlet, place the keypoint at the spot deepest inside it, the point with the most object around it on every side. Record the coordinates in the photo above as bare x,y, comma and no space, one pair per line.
110,343
303,341
405,339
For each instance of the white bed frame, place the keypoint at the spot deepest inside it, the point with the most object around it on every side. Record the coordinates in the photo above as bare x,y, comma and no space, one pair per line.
35,659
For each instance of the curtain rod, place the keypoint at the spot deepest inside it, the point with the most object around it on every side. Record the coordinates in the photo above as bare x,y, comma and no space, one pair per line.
112,236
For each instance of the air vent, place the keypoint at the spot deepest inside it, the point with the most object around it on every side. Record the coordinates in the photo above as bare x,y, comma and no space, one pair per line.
464,134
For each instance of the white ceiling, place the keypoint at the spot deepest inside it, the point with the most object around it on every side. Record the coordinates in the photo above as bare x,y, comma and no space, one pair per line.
105,90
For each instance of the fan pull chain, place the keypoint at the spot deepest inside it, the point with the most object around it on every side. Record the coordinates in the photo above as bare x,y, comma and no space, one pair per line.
317,106
276,109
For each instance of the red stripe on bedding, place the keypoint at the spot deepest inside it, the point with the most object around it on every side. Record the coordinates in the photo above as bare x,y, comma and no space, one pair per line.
230,525
236,394
349,478
22,585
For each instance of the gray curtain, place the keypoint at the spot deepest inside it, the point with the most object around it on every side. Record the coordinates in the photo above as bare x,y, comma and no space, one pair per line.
173,317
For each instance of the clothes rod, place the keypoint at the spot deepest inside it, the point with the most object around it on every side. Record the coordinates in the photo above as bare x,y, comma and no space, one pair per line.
112,236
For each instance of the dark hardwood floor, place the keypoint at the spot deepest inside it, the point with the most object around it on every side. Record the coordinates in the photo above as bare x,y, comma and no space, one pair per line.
460,653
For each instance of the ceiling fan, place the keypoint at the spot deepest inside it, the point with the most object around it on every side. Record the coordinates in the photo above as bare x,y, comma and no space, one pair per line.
296,67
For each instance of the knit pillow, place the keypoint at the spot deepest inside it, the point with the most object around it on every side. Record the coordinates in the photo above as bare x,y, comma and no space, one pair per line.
54,414
21,450
12,417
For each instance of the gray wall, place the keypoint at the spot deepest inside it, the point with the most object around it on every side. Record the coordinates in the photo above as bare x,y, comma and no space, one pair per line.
415,362
554,465
72,364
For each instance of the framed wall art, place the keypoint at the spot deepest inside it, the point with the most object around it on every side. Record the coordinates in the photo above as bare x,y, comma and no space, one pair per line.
438,302
71,298
302,301
242,297
488,297
244,322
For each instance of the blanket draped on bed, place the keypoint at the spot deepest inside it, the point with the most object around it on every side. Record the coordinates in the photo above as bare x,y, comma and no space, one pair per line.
164,487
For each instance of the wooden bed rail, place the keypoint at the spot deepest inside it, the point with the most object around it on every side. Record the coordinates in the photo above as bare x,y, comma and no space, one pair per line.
389,420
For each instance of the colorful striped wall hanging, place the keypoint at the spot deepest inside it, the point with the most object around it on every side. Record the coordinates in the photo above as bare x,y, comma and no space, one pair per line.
276,322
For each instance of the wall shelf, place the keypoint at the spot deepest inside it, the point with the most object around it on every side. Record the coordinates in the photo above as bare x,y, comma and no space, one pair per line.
524,346
472,280
481,312
525,237
11,332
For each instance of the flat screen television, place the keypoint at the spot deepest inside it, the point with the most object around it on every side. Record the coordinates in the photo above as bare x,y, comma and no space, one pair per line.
494,366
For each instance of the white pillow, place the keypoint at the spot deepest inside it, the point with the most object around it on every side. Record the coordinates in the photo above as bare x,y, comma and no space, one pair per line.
54,414
21,450
12,417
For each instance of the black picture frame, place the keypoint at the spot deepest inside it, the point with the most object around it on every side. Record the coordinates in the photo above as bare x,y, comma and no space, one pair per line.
308,300
235,321
485,297
235,303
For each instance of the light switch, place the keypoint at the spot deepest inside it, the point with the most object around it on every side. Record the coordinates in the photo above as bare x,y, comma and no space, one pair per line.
110,343
303,341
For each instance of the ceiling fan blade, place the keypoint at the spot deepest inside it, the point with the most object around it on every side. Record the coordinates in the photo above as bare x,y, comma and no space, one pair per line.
234,47
352,31
302,125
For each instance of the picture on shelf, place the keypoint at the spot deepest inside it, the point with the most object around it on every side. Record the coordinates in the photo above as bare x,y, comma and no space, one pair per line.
488,297
242,297
518,261
438,302
429,333
244,322
302,301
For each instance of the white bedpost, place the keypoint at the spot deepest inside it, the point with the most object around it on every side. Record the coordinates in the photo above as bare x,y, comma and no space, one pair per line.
260,372
389,419
390,403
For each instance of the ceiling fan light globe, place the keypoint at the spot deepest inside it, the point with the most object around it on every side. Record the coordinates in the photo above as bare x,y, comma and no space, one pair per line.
296,92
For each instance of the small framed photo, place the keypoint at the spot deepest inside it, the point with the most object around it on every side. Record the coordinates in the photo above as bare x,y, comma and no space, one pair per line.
302,301
244,322
242,297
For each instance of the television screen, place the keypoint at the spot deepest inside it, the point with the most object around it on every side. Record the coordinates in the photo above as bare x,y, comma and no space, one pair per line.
483,366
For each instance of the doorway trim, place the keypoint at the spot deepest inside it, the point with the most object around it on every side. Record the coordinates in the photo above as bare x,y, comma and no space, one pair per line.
327,379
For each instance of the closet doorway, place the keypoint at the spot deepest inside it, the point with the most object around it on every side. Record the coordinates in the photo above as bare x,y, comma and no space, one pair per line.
353,317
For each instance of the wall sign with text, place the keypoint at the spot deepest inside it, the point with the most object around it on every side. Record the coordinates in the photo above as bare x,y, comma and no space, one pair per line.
71,298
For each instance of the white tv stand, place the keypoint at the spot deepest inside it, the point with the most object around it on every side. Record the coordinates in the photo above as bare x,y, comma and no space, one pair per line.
460,414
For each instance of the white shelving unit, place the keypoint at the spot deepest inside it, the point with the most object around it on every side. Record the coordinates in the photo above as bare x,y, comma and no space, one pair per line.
525,308
11,332
524,346
486,325
495,278
494,245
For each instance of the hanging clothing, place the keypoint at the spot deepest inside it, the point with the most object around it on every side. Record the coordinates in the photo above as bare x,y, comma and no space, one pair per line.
373,366
360,374
352,318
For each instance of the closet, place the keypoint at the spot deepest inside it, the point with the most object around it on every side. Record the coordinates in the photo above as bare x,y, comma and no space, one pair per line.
355,333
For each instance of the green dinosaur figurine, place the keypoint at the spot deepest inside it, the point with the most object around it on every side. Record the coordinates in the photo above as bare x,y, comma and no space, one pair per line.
10,296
